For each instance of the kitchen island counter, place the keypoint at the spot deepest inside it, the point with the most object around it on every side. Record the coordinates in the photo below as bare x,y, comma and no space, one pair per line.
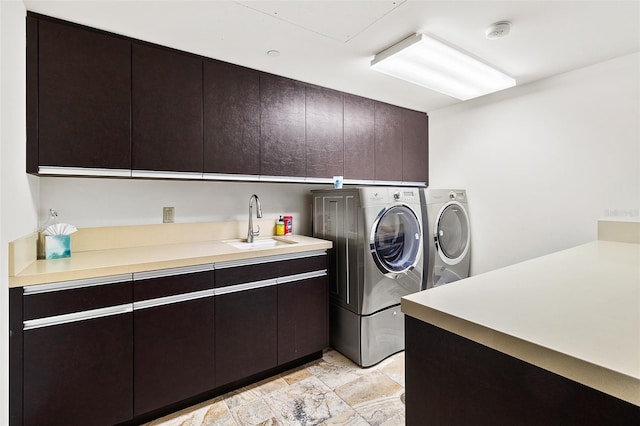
575,313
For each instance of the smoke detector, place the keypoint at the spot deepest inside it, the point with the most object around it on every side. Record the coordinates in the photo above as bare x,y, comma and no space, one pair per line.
498,30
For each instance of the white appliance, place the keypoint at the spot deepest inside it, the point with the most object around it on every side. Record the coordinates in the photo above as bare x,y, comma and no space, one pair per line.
447,233
377,258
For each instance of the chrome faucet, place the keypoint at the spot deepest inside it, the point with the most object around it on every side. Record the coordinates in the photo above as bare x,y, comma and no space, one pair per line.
251,233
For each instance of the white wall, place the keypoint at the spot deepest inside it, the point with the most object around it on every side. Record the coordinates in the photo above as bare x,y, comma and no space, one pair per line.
89,202
19,192
543,162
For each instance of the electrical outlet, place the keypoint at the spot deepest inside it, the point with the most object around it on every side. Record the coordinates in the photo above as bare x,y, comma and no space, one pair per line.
168,214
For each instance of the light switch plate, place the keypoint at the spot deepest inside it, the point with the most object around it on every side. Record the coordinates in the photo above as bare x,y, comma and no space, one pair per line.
168,214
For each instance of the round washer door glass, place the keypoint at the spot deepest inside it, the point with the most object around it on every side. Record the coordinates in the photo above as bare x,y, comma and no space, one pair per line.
453,231
396,239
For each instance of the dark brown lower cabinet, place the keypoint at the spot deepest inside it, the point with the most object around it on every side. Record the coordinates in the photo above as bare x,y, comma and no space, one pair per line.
79,373
173,357
246,333
303,318
451,380
110,350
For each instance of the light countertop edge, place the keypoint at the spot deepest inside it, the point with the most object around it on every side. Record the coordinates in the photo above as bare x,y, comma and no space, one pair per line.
575,312
610,382
101,263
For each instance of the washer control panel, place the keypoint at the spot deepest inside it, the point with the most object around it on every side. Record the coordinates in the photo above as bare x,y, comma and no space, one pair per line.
382,196
409,195
457,195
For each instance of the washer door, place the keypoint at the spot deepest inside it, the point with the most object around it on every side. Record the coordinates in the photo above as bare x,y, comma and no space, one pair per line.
451,234
396,240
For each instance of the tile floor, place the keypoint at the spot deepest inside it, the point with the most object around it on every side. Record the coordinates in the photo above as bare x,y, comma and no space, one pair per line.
329,391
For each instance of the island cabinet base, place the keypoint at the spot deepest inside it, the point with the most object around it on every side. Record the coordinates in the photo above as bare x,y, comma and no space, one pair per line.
451,380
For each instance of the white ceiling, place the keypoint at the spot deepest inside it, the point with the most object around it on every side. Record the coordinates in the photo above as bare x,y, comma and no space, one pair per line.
330,43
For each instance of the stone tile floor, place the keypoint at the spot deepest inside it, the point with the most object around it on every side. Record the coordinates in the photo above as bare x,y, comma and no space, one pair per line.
329,391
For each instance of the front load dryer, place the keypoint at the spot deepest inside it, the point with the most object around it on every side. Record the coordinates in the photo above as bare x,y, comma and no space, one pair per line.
447,235
377,258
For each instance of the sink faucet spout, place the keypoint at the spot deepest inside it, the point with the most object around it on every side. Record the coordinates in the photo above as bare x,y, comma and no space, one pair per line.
250,232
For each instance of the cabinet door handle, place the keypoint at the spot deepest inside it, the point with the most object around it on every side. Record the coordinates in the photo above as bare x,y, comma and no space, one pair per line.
68,285
77,316
159,273
266,259
303,276
246,286
160,301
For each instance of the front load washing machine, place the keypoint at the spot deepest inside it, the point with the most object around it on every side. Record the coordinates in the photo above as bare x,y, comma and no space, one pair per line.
447,235
377,258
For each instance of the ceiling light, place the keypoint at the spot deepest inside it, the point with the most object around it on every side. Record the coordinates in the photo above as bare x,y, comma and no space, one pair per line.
433,64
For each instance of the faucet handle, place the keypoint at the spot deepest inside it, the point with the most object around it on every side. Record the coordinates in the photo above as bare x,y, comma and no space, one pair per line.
256,233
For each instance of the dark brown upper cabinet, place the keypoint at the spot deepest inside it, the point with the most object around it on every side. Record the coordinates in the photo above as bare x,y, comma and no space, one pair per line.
324,132
231,119
388,142
166,105
101,100
282,126
79,86
415,160
359,162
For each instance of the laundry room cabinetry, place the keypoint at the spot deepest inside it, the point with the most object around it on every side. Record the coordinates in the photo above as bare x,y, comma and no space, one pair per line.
78,97
246,321
388,142
166,110
303,318
78,352
415,155
173,336
231,119
103,104
278,305
324,132
359,119
282,126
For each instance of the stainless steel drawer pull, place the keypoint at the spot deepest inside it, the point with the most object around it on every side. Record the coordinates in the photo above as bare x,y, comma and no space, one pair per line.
159,273
68,285
303,276
246,286
267,259
160,301
77,316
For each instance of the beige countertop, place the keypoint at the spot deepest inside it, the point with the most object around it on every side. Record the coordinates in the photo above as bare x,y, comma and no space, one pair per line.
124,260
575,313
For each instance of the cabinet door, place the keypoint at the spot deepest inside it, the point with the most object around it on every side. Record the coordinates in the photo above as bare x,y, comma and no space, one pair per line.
415,145
166,110
359,138
303,319
84,95
324,133
78,353
388,142
282,126
231,119
174,340
246,333
79,373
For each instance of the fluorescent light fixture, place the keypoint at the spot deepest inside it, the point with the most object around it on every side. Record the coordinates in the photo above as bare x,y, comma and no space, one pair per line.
431,63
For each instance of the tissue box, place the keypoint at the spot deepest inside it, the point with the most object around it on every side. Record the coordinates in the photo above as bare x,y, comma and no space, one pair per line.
57,246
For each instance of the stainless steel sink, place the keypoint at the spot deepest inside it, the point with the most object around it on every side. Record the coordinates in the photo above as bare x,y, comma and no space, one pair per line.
259,243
